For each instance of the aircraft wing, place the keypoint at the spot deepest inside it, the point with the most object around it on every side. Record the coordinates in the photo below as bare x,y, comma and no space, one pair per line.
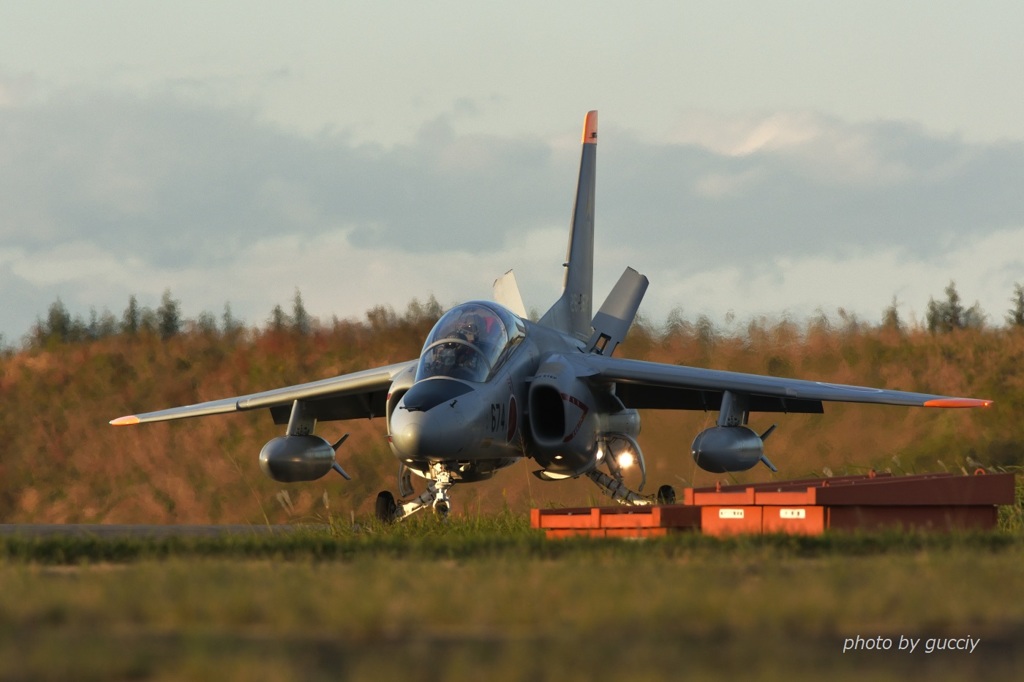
640,384
349,396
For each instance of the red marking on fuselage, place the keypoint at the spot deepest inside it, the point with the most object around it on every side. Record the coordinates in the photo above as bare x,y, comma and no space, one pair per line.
513,419
573,400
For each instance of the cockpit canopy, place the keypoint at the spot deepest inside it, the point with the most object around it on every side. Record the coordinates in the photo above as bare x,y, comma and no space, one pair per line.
470,341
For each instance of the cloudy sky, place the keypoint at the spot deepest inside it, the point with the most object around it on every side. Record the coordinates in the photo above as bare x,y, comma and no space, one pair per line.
755,157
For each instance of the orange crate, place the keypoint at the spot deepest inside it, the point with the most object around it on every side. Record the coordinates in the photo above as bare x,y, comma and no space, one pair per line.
734,497
793,519
620,521
810,506
580,517
728,520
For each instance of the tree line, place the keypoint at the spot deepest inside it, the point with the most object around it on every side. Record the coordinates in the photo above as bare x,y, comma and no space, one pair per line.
166,321
59,326
946,315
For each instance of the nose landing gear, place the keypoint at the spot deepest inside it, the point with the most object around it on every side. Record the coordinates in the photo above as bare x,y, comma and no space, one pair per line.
435,496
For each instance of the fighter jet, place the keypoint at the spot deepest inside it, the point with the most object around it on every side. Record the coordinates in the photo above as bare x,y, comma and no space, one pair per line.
492,387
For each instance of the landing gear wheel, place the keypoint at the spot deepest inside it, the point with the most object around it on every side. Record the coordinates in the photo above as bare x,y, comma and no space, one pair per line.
441,509
385,507
666,495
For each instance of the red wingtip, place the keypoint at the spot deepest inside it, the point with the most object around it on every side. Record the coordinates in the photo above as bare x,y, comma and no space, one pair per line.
958,402
125,421
590,128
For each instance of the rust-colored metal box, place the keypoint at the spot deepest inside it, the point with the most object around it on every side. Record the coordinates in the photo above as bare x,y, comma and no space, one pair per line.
622,521
933,502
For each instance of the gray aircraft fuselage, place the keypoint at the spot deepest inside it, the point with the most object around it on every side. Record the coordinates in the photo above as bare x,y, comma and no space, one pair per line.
477,427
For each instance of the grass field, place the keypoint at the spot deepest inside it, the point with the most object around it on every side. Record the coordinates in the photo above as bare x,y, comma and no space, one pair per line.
489,598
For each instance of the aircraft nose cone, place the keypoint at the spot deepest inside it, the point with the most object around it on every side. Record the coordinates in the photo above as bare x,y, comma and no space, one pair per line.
407,437
417,436
430,420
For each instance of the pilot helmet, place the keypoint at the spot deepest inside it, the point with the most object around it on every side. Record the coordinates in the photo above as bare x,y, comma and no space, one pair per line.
470,326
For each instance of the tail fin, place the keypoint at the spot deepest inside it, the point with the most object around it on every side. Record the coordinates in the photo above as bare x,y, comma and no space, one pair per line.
571,313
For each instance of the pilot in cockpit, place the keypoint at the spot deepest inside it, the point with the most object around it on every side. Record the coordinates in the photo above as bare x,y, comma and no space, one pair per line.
467,357
469,329
465,344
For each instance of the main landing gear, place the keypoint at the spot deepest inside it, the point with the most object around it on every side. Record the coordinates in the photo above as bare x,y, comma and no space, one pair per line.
613,485
436,495
617,490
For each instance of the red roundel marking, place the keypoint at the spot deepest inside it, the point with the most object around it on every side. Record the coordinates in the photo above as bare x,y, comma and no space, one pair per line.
513,419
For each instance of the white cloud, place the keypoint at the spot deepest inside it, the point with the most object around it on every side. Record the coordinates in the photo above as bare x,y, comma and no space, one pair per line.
723,185
863,283
742,135
820,147
102,197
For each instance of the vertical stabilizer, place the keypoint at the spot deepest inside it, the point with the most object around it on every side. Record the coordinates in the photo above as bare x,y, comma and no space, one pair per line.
572,312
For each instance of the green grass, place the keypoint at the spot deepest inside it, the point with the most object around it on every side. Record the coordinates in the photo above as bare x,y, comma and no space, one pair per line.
426,538
1011,517
490,597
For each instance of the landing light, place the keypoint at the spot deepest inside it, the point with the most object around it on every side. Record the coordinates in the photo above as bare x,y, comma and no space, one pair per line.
626,459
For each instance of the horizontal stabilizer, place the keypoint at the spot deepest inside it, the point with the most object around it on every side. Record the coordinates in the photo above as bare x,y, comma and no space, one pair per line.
506,293
617,313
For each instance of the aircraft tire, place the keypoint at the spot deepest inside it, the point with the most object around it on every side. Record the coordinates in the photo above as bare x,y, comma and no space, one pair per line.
666,495
385,507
